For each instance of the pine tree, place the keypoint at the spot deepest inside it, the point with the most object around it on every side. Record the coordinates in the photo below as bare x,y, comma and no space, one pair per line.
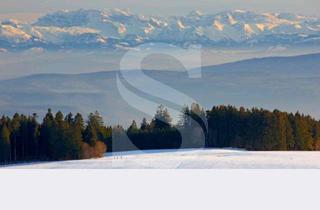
302,133
281,130
5,147
15,136
290,126
133,128
95,120
316,135
32,146
73,140
144,125
47,132
90,135
162,118
79,122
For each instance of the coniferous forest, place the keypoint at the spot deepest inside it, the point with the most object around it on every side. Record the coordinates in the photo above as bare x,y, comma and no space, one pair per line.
59,137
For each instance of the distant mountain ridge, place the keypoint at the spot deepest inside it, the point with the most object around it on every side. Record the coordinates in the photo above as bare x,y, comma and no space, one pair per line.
285,83
120,28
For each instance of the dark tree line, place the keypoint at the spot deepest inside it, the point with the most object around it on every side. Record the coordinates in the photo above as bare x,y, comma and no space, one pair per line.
22,138
68,137
158,134
227,126
259,129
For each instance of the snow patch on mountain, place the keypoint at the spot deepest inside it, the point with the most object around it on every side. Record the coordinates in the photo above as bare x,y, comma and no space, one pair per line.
117,27
219,26
13,34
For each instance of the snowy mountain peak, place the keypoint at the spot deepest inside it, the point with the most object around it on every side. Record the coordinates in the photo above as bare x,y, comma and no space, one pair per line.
195,13
124,12
11,22
13,34
116,27
240,11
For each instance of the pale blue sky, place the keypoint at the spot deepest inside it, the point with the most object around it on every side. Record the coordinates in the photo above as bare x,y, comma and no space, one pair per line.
27,8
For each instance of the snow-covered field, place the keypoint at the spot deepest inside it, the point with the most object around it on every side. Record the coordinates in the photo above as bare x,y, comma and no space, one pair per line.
189,159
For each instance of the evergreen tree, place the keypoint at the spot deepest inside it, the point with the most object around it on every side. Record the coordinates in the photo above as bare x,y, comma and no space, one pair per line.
290,126
162,118
79,122
133,128
302,134
316,135
22,138
5,147
144,125
15,136
69,119
90,135
32,145
47,133
73,138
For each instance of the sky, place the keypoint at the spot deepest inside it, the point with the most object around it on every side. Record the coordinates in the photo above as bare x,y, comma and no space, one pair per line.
30,9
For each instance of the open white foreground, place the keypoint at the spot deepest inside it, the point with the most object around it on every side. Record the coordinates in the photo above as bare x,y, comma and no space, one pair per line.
189,159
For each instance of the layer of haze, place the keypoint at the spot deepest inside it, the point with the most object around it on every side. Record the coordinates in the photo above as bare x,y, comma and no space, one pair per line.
30,9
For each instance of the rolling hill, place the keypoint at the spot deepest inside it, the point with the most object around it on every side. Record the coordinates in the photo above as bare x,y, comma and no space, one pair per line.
285,83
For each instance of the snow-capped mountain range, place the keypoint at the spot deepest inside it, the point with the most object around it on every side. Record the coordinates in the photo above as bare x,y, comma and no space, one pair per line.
121,28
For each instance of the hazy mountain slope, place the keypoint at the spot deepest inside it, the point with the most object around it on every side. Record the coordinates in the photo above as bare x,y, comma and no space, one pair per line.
282,66
287,83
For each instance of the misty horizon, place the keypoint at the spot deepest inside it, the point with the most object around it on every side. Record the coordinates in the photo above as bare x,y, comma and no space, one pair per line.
34,16
32,9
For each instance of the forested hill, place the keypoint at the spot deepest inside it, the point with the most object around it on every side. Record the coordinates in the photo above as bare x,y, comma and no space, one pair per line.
302,65
286,83
59,137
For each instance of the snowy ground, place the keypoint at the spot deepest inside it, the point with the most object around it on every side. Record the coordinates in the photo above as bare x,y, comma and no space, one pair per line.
189,159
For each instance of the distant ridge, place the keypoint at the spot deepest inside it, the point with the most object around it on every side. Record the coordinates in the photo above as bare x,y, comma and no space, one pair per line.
95,29
284,83
287,62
